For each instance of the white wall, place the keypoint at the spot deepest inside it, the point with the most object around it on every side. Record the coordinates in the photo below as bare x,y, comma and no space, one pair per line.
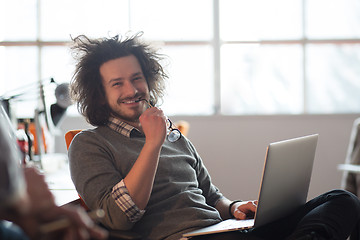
233,147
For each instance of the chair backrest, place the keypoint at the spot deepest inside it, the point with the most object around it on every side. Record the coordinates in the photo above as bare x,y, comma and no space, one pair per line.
183,126
69,137
350,179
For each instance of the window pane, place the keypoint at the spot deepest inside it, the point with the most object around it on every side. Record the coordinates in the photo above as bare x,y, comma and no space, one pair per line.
18,75
261,79
333,19
333,75
172,20
190,84
18,20
260,19
60,19
57,63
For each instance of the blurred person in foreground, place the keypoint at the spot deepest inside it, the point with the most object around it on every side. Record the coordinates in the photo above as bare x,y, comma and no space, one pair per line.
26,203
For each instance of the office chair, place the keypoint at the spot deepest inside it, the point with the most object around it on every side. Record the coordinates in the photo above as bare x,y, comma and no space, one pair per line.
351,168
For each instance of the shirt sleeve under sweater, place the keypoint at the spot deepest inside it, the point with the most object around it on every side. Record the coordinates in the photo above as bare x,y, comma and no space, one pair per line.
183,196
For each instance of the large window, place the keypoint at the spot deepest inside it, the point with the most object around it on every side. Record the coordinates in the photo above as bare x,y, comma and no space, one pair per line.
231,57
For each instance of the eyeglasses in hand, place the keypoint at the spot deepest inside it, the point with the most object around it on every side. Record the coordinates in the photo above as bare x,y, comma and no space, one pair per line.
174,133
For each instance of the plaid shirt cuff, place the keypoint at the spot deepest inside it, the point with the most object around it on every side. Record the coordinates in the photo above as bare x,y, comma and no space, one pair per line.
125,203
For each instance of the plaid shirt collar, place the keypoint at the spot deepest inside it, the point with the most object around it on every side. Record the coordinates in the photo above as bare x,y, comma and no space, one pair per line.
123,128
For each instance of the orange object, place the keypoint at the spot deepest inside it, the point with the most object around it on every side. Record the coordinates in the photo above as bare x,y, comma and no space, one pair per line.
32,129
183,126
69,137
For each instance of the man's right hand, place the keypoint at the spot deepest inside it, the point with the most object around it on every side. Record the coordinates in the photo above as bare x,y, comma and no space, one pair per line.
153,123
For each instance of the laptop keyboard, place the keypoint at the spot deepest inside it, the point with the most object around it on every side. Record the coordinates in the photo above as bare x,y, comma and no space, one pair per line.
236,224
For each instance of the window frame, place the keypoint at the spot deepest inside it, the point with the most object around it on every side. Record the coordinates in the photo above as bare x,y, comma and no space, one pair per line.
216,42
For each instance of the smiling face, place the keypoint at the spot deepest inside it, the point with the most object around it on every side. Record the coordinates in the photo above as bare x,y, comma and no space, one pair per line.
124,83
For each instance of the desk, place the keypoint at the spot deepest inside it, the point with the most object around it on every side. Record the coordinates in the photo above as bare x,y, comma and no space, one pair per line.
60,184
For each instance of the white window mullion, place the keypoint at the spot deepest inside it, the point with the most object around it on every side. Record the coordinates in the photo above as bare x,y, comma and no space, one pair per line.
217,57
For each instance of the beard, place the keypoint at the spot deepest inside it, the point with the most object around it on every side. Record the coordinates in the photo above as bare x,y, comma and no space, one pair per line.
129,118
127,115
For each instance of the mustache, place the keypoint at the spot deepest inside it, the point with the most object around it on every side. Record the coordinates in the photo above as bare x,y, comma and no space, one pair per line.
136,98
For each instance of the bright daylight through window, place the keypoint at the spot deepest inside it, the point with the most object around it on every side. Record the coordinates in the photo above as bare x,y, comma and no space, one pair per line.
231,57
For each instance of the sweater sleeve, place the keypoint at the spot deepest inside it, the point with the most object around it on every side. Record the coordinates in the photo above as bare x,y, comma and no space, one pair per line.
94,176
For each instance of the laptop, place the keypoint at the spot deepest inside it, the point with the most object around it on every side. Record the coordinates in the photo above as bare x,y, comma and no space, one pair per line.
284,185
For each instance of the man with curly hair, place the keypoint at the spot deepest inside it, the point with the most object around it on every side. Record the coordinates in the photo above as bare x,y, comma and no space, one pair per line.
147,182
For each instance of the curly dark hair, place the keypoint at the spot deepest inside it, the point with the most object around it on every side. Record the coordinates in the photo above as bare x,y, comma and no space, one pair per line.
86,85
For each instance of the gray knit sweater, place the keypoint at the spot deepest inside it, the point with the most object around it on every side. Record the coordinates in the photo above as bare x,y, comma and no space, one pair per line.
182,199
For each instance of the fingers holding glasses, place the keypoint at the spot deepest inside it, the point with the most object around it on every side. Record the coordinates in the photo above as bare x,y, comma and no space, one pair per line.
174,133
153,118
